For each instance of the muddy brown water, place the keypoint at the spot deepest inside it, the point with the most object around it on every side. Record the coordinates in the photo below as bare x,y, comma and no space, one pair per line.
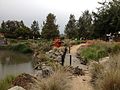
13,63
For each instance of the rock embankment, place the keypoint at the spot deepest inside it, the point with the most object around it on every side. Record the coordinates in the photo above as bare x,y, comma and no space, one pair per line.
56,53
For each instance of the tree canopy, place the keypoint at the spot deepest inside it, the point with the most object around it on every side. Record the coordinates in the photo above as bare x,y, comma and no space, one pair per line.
15,29
35,29
50,28
107,19
70,28
84,25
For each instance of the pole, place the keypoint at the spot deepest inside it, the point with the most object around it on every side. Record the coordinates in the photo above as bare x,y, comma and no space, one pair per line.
69,49
70,60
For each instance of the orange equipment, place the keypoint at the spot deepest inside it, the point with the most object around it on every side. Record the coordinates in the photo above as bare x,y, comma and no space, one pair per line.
57,42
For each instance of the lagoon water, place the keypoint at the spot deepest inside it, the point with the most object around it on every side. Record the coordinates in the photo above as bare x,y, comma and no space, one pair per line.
13,63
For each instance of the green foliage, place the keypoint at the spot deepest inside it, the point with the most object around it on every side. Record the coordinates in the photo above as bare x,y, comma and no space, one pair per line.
6,83
70,28
21,48
106,20
84,26
99,50
15,29
35,29
94,52
115,49
50,29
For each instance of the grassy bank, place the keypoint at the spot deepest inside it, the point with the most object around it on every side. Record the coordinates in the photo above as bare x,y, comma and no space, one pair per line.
98,50
6,83
22,48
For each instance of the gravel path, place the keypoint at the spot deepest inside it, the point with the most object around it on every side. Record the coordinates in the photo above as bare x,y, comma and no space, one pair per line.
78,82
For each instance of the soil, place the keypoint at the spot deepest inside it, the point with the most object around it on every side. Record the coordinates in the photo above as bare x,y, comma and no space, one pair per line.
80,82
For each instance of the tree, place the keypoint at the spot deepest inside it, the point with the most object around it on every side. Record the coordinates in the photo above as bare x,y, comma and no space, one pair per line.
14,29
70,28
107,19
50,29
35,29
84,25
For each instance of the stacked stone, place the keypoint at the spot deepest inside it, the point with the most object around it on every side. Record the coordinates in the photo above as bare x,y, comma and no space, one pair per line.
55,53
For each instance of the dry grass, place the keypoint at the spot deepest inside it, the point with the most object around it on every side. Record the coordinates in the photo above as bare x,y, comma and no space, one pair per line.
108,78
58,81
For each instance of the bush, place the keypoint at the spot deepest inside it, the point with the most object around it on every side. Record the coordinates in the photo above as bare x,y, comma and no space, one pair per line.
22,48
107,77
93,52
115,49
96,71
58,81
98,50
13,41
6,83
45,46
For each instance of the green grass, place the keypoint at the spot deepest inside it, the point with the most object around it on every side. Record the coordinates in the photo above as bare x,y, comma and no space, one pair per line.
94,52
22,48
6,83
98,50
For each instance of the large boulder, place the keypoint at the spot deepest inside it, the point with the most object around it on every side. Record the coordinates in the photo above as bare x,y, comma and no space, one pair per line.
44,72
25,81
16,88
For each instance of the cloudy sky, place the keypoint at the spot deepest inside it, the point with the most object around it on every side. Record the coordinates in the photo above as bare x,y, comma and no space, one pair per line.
29,10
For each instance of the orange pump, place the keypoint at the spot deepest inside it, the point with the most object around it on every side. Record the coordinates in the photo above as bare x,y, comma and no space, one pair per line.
57,42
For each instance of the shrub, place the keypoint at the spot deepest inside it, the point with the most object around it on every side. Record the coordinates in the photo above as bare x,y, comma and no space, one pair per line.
45,46
115,49
13,41
21,48
58,81
98,50
93,52
96,71
6,83
107,78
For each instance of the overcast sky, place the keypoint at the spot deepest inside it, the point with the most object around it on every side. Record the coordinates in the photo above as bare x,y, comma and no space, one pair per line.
29,10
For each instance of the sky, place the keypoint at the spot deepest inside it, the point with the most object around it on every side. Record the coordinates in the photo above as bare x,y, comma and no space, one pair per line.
29,10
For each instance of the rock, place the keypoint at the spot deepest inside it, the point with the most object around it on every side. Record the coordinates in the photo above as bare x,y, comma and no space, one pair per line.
38,67
59,58
46,71
83,79
56,53
78,71
16,88
24,80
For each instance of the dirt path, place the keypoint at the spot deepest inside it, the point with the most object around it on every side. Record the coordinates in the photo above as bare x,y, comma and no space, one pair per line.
73,49
79,82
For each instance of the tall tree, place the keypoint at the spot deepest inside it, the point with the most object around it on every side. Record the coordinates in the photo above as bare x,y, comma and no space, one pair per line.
107,19
84,25
50,29
35,29
70,28
3,27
